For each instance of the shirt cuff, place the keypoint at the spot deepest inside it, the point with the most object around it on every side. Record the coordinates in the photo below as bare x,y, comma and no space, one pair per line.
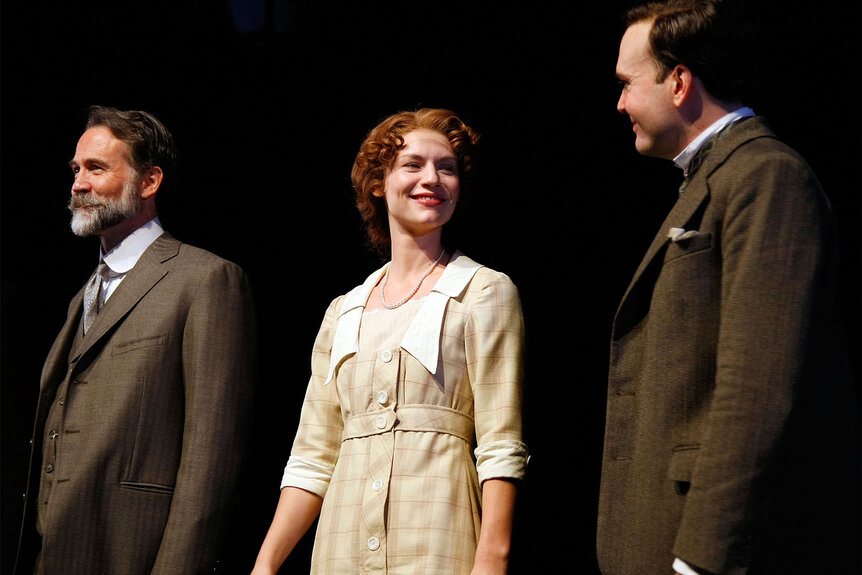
682,568
307,474
501,459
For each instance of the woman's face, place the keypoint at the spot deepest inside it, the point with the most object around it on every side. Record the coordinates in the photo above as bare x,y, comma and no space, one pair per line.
422,186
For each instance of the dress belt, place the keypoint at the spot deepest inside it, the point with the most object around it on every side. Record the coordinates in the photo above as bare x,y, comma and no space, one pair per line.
410,418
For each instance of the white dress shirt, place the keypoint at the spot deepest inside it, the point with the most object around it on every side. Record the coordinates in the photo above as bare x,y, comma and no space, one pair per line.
123,256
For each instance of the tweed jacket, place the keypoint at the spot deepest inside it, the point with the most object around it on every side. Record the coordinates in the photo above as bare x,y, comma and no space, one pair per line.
717,339
150,409
387,436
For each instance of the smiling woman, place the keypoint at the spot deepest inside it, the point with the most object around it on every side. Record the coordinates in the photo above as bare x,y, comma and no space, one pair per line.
409,443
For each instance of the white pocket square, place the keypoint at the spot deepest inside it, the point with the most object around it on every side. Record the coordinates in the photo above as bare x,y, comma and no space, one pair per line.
679,234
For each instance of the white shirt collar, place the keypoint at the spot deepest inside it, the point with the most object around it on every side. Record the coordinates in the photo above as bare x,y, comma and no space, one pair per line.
123,257
684,158
422,339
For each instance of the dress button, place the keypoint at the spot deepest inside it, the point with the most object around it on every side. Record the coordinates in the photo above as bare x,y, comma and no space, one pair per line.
380,422
382,397
386,356
377,484
373,543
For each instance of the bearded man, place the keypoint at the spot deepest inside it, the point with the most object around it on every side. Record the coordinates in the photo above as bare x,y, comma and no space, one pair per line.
145,394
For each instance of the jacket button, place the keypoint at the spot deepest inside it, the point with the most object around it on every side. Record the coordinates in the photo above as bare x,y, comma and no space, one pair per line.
382,397
49,468
386,356
380,422
373,543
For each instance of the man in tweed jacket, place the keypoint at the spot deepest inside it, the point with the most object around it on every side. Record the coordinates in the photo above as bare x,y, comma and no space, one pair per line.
140,424
727,384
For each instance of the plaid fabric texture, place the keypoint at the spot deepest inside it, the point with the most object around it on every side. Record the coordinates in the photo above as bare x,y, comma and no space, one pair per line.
405,495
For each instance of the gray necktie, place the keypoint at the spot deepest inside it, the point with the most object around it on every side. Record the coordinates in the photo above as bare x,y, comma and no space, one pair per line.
91,296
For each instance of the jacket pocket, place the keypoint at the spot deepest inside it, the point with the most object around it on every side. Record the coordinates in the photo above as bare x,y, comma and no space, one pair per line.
148,487
687,247
139,343
681,466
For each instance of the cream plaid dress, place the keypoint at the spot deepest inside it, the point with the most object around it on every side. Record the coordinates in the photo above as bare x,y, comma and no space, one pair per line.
397,437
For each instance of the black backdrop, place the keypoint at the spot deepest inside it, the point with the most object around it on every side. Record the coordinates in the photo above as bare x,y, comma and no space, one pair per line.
268,102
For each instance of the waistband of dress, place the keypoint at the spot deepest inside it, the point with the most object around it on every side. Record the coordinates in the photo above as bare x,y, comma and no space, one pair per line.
410,418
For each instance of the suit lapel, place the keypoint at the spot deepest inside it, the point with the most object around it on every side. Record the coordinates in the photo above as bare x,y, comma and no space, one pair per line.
57,361
636,300
679,215
148,271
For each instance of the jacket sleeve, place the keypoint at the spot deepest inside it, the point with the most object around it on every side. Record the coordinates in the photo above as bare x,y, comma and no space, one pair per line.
219,342
775,242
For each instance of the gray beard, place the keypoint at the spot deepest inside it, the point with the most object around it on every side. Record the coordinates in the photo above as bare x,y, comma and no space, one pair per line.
91,216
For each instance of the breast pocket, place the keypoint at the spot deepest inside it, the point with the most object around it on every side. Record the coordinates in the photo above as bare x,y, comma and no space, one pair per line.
130,345
687,247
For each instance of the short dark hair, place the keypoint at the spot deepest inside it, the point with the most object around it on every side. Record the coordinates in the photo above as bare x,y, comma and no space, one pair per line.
379,151
151,144
713,38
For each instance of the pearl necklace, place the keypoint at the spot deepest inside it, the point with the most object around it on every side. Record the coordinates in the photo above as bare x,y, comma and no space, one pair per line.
414,290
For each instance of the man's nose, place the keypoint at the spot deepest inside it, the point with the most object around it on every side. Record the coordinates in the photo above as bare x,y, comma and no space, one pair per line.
80,185
621,103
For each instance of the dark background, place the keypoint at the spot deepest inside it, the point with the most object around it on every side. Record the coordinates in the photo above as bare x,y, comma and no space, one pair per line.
268,102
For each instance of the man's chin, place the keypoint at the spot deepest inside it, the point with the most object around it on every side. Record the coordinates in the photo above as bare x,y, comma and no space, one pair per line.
85,223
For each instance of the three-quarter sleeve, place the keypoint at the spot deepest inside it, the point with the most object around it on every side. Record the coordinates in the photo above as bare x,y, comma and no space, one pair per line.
318,438
494,342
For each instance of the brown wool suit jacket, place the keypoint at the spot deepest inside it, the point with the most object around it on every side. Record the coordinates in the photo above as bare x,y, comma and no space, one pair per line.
151,409
726,377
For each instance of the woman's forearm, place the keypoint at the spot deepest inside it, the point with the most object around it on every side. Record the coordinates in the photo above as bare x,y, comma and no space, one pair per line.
296,511
495,538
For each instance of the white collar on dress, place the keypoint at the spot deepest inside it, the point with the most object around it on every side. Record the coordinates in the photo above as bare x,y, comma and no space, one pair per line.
422,339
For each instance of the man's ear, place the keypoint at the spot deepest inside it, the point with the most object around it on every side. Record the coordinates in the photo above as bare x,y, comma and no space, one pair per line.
681,83
151,181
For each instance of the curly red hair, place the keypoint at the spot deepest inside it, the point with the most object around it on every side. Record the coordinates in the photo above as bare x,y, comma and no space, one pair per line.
379,151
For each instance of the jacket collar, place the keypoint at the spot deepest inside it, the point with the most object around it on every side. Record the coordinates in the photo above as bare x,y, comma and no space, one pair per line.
422,338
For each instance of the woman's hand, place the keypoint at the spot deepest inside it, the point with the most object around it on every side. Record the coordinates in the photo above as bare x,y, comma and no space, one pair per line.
490,566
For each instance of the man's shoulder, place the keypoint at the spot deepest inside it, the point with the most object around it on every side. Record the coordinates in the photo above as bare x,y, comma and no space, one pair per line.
754,135
167,245
191,260
749,148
